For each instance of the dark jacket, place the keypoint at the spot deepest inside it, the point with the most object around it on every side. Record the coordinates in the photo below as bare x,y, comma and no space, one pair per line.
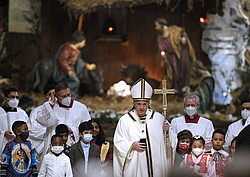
77,160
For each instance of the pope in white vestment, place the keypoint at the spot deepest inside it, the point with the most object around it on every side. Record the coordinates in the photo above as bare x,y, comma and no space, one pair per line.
131,158
69,112
9,113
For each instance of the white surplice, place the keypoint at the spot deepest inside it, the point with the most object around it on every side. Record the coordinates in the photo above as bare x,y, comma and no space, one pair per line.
51,117
6,121
204,127
36,131
233,131
131,163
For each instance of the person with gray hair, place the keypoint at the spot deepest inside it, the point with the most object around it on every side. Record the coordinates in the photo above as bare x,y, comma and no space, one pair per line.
192,121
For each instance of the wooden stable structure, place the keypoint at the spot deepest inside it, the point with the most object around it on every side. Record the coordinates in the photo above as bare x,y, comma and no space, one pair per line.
139,47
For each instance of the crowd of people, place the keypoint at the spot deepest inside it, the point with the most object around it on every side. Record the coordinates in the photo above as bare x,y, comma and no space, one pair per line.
59,138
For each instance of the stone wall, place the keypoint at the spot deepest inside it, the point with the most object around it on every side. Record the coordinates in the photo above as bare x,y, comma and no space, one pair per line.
225,39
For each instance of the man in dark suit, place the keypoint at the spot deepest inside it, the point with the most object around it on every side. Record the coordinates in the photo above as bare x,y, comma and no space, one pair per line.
84,155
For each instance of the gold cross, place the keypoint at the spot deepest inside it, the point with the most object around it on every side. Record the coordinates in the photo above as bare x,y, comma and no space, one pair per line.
164,91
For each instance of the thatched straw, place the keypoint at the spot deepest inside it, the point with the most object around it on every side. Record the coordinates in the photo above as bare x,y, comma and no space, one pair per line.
86,6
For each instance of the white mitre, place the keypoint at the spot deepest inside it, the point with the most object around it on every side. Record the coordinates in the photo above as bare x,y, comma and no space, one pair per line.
141,90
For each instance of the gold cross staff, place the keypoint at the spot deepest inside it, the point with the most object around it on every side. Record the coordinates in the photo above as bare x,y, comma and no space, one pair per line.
164,91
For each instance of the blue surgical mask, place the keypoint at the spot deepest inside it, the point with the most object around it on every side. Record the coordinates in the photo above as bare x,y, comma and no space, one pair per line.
87,137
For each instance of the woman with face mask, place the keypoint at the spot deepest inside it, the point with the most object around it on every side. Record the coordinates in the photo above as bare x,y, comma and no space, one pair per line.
56,163
199,162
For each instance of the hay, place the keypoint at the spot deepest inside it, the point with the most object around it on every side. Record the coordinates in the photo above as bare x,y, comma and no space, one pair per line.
90,6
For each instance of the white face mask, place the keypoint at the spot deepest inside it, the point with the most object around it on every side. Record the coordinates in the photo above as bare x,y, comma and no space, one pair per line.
87,137
197,151
13,103
66,101
190,110
245,114
57,149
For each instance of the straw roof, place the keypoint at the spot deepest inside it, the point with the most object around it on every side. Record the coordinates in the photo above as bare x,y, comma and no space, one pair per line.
87,6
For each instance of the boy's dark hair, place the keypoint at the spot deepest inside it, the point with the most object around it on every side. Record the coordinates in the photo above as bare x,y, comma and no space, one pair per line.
85,126
198,138
61,86
56,136
100,138
220,131
62,128
16,125
247,100
7,92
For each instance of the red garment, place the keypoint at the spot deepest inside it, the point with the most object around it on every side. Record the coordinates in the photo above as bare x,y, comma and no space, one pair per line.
221,166
194,120
68,58
180,66
100,147
202,164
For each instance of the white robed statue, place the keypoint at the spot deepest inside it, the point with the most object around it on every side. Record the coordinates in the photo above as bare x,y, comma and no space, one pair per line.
139,146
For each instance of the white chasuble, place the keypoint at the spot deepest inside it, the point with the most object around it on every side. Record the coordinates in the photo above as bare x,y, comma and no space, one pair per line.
6,121
131,163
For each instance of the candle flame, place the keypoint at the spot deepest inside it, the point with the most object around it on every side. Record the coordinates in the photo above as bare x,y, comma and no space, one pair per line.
110,29
202,20
163,53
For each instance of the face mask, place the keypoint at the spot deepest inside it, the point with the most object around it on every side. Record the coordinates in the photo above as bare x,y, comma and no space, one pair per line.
24,135
66,101
190,110
87,137
184,146
197,151
13,103
57,149
245,114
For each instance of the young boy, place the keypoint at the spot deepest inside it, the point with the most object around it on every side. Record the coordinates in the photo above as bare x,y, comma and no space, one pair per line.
18,157
63,130
84,155
56,163
218,140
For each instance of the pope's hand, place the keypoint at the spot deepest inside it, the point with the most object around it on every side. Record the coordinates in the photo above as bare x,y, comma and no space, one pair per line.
71,74
138,146
8,134
166,126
